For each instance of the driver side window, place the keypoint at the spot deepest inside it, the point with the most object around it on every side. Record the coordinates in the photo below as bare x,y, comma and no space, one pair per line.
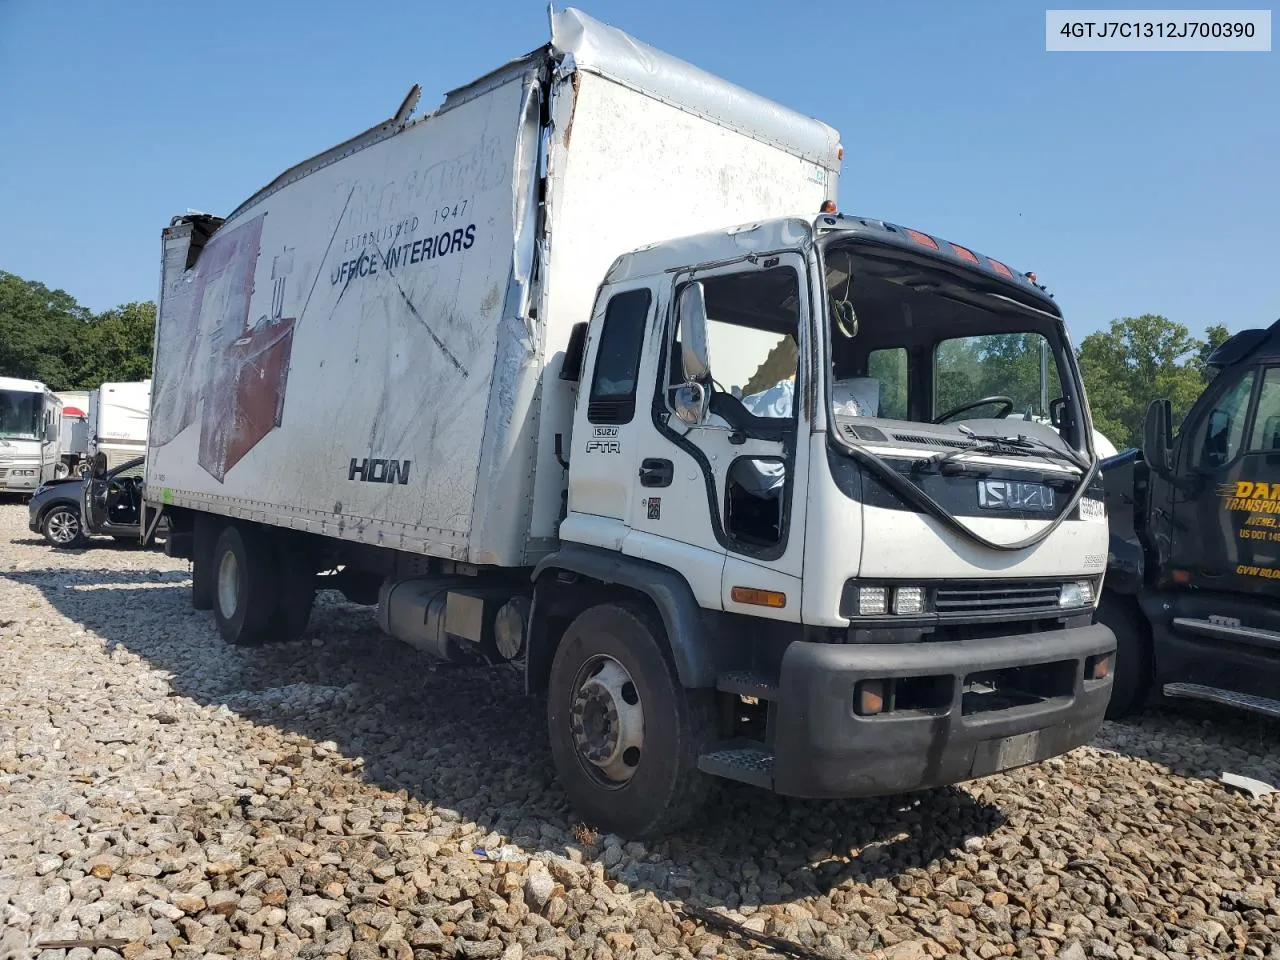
130,473
752,323
1221,432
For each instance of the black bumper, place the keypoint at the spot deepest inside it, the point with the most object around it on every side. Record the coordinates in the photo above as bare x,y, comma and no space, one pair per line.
822,748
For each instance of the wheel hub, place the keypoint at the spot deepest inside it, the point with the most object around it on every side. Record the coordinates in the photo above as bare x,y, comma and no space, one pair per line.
63,526
228,585
608,720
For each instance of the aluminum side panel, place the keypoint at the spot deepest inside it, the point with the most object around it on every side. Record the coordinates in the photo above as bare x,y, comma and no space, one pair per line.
353,314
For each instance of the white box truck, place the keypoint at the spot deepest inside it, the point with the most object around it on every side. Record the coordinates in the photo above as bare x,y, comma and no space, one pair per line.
30,422
118,416
581,371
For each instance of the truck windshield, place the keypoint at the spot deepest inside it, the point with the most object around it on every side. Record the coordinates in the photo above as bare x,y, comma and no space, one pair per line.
914,343
936,369
20,414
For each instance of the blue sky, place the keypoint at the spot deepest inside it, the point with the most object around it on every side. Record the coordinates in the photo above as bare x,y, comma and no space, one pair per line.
1130,182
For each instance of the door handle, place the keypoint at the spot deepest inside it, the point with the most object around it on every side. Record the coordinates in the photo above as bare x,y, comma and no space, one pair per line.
656,473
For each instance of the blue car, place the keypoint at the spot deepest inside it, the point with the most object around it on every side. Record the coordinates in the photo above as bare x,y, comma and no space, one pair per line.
67,512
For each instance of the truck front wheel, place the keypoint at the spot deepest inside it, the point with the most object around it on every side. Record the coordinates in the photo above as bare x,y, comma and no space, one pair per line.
245,581
625,736
1133,670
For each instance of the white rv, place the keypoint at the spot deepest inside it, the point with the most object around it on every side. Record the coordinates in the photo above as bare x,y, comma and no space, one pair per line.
118,420
30,422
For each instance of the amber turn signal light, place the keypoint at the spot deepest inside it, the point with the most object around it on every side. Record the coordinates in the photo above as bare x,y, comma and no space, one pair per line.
759,598
870,698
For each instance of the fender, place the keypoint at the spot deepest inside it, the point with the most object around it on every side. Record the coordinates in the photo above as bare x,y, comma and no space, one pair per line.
691,639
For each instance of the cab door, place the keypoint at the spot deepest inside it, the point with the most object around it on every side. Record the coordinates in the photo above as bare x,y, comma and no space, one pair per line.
608,417
729,489
1226,523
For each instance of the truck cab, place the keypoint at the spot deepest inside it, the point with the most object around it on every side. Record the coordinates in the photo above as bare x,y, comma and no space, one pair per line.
812,448
1194,561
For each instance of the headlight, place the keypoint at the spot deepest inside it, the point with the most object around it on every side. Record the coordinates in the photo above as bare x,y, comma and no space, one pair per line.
902,601
871,602
1076,594
908,600
23,473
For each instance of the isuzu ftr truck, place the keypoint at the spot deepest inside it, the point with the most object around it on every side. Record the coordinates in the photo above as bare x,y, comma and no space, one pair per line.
582,371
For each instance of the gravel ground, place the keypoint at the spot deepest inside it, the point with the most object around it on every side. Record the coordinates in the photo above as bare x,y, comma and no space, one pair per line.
342,797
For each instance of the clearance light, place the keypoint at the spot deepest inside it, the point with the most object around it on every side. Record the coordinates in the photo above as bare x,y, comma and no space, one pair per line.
828,206
759,598
870,698
1000,268
964,253
922,238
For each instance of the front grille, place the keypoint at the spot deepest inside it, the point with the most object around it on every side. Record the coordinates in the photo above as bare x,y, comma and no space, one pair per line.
1014,599
3,473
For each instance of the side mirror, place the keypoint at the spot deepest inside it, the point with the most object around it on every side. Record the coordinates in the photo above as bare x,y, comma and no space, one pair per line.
1157,438
690,403
693,332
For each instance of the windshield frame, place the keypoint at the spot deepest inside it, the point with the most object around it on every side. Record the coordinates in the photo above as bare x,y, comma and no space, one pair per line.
37,423
990,293
979,282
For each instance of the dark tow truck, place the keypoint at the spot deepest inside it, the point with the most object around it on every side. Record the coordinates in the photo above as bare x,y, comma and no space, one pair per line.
1193,577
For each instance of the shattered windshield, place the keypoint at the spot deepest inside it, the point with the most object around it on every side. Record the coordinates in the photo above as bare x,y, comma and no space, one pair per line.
20,413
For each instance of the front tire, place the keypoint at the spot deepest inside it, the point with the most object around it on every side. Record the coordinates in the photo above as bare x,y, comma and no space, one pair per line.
63,529
245,584
625,736
1133,673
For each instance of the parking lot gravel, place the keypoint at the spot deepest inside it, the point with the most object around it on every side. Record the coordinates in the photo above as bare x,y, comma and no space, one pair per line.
165,795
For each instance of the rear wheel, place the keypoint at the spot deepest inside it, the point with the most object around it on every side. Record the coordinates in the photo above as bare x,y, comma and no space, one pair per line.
62,527
245,585
1133,674
204,537
625,736
296,578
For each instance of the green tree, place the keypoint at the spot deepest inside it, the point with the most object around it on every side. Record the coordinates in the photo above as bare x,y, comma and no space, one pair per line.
38,331
46,335
117,345
1135,361
1214,337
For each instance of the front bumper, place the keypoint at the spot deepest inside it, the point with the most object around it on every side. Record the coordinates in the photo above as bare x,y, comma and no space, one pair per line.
19,479
823,748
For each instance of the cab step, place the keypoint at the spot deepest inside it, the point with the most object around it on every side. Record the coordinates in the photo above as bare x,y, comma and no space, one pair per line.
1227,698
1225,629
746,683
746,763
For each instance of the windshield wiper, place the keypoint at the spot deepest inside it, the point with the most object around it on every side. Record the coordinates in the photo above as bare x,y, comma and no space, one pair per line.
995,446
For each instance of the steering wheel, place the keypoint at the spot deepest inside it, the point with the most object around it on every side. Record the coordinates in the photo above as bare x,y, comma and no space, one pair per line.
1006,408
